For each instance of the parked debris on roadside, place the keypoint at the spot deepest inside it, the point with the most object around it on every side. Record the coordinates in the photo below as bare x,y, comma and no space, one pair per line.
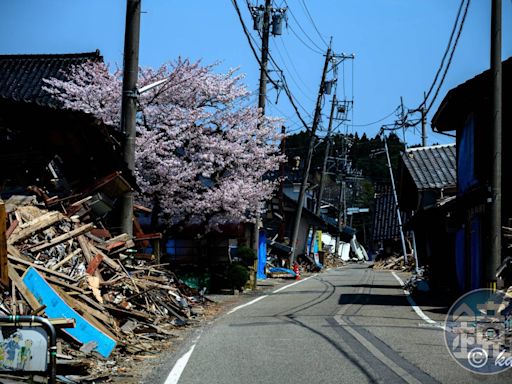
395,262
331,260
120,302
418,282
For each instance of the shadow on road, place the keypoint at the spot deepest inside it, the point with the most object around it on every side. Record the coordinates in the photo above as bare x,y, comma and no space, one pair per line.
370,299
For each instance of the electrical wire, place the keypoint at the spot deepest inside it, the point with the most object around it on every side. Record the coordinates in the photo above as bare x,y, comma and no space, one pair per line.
450,58
286,89
313,22
278,69
292,77
377,121
320,49
445,55
299,77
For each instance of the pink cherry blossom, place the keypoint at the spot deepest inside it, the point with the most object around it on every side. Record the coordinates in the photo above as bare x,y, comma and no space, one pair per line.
200,152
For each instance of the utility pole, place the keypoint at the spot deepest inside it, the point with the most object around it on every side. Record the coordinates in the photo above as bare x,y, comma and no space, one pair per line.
262,99
424,124
307,165
341,210
129,102
399,217
321,188
495,230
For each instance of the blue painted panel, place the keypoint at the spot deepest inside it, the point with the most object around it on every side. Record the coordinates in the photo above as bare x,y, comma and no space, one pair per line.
460,259
466,156
84,332
262,256
476,253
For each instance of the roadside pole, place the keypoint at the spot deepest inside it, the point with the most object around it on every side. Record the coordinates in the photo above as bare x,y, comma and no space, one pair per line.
304,183
129,102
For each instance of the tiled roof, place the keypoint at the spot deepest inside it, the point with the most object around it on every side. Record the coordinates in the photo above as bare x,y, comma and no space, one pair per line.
21,76
385,221
432,167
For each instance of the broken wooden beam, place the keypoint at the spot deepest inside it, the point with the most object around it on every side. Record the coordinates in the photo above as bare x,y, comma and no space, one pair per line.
38,224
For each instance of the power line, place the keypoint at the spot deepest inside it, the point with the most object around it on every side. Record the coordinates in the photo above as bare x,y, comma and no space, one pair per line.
447,50
248,36
313,22
299,77
303,42
293,78
320,49
451,56
377,121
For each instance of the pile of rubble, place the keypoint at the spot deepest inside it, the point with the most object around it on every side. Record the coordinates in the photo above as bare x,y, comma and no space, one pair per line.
395,262
105,299
332,261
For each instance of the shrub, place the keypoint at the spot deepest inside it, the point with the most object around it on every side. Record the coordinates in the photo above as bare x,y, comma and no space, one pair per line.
238,276
246,254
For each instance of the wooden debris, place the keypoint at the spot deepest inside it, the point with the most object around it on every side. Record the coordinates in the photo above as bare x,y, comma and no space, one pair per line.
121,295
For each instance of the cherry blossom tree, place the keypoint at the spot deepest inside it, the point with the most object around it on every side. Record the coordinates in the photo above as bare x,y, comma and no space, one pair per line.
200,153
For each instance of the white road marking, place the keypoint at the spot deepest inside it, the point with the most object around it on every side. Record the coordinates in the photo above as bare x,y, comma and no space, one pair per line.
180,365
178,368
247,304
417,309
292,284
406,376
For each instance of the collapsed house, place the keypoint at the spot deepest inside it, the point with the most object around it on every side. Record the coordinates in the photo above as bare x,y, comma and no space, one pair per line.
62,173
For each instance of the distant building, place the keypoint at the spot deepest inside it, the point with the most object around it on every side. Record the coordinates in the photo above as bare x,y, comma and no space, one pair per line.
426,188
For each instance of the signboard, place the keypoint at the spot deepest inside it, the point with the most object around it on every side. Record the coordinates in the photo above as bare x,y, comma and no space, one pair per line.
351,211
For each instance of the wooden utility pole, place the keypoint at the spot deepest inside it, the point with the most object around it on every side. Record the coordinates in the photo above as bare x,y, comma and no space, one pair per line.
129,102
495,227
307,165
4,272
262,99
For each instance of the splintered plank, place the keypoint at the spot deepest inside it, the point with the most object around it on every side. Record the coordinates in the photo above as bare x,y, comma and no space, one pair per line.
38,224
107,260
62,238
22,288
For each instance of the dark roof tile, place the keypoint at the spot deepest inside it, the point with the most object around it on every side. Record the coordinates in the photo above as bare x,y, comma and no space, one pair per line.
21,76
432,167
385,220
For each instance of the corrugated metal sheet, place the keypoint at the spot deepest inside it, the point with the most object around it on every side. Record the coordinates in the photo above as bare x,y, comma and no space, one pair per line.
432,167
21,76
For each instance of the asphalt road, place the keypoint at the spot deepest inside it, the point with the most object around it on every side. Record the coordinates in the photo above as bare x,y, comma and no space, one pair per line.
349,325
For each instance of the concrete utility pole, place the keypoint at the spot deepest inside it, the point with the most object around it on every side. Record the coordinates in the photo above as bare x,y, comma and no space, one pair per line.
398,215
129,102
424,124
262,99
304,183
321,188
341,213
495,228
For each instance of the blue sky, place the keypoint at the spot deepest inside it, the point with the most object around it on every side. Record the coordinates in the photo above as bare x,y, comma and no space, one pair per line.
398,44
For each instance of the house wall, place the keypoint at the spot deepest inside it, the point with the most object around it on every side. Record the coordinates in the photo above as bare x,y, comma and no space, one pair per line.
474,159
